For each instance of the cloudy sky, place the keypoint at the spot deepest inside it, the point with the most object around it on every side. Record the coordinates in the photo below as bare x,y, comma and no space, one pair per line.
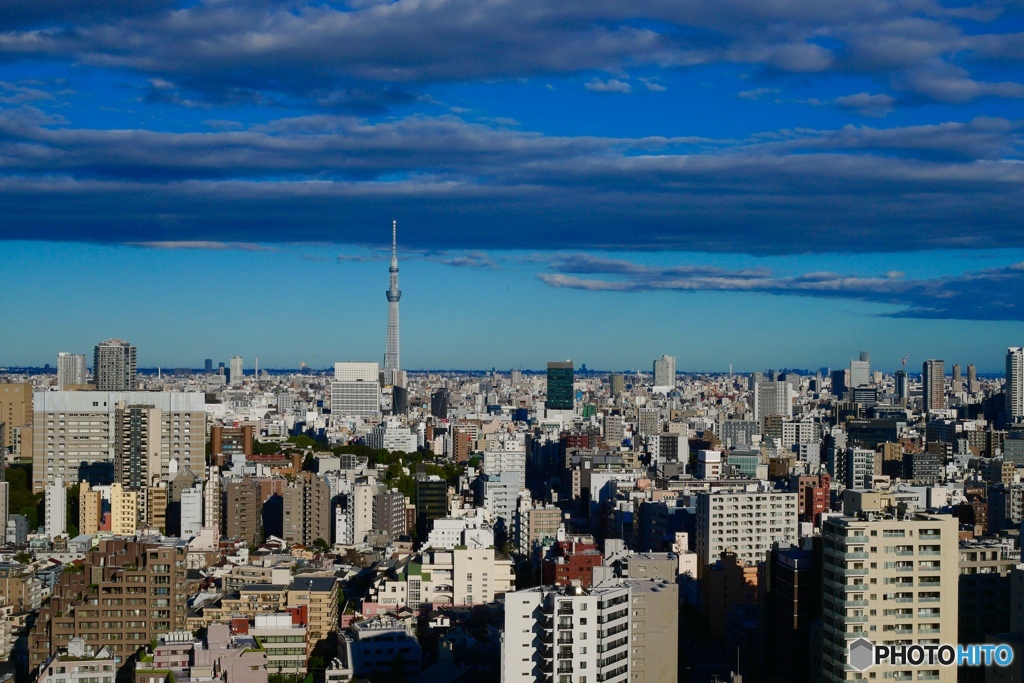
766,183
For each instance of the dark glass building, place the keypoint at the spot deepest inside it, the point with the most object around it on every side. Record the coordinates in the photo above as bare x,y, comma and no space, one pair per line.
560,391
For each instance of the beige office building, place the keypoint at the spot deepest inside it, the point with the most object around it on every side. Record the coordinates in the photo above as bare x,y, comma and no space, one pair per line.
15,414
892,581
90,509
77,432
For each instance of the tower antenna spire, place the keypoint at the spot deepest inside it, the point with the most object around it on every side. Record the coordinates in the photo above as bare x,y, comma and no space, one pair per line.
394,238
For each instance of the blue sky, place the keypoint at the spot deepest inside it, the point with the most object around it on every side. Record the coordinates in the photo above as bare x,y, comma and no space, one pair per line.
762,183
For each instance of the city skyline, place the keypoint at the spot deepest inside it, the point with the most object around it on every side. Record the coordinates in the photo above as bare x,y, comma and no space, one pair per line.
798,171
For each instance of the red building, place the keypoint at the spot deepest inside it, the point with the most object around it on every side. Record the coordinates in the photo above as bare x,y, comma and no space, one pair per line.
815,497
571,560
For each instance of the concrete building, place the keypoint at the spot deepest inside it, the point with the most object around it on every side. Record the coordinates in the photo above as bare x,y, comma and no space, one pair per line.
56,508
71,370
80,435
746,523
124,511
383,645
113,366
890,580
191,511
355,390
242,508
306,505
151,572
78,663
933,385
665,372
389,516
772,398
624,630
319,594
474,575
5,504
235,371
16,415
391,435
284,642
228,444
860,373
1014,388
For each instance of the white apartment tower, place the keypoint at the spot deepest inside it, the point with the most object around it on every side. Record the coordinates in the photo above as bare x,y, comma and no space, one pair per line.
893,581
618,631
394,294
1015,383
56,508
744,522
665,372
71,369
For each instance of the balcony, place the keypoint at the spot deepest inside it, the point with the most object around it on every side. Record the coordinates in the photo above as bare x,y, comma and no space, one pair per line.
565,639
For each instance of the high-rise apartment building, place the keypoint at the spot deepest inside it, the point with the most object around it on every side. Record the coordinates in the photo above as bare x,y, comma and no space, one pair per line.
124,510
1014,383
242,510
137,451
90,508
235,372
560,392
149,574
71,370
306,510
616,383
891,580
933,384
665,372
625,630
746,523
56,508
80,435
113,366
5,504
355,390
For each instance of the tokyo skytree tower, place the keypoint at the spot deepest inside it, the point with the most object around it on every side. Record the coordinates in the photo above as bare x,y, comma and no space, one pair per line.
391,365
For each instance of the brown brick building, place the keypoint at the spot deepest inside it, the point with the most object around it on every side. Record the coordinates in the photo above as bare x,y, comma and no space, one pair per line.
126,593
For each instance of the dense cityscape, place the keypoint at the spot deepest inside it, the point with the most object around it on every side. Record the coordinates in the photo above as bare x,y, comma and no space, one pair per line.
369,523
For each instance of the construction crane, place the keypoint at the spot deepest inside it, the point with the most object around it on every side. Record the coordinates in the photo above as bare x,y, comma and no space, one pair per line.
905,357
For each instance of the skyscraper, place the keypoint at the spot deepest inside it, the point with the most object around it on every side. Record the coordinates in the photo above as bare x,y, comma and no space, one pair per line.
1014,383
391,362
665,372
560,389
235,372
70,369
860,370
888,578
933,384
113,366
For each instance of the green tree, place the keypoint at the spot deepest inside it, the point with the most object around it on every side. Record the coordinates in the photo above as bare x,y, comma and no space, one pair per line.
321,545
